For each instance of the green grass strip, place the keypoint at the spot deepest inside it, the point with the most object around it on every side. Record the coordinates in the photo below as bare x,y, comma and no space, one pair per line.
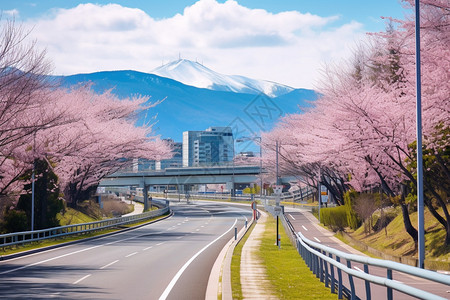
236,266
286,270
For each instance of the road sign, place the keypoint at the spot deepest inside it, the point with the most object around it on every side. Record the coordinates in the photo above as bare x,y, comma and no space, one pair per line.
277,189
324,194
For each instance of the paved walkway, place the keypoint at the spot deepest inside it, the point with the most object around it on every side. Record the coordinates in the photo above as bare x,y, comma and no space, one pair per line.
138,209
254,281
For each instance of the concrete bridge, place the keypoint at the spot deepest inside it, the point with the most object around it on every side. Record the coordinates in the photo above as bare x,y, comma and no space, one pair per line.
183,177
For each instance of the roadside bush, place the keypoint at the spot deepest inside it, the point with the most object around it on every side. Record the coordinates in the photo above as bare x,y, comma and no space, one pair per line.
353,220
334,217
15,221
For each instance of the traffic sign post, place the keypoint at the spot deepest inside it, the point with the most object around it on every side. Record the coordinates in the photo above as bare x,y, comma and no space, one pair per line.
253,205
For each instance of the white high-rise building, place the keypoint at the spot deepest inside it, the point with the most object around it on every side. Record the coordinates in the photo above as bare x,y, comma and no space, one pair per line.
210,147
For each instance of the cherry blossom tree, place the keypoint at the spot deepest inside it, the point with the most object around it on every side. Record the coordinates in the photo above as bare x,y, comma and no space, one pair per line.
361,130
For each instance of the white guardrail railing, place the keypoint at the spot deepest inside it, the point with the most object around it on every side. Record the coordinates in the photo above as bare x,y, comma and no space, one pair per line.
42,234
323,261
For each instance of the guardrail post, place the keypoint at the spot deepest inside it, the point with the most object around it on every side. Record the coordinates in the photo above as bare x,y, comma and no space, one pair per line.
389,290
316,265
326,271
368,293
333,281
350,279
338,259
320,267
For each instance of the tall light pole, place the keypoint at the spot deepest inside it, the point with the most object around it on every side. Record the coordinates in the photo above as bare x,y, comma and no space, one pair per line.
260,158
276,162
420,207
32,182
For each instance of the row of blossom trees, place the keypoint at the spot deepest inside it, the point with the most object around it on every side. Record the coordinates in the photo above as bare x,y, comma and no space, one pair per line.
79,135
360,133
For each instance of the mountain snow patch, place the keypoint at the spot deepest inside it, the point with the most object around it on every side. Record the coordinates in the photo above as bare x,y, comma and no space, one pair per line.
195,74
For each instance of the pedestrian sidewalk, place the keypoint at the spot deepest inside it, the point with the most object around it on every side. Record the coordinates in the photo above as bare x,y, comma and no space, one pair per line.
254,281
138,209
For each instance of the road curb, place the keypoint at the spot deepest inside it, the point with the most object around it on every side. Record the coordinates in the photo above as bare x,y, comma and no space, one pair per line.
222,268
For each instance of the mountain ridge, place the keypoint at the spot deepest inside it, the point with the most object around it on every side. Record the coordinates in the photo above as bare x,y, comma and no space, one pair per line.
191,108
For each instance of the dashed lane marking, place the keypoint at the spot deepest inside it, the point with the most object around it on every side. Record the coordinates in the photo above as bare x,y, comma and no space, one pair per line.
108,265
81,279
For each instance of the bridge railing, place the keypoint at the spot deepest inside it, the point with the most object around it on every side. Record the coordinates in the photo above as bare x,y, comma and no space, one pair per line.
326,262
23,237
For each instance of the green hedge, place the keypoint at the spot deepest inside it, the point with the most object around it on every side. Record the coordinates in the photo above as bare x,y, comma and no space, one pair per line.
334,217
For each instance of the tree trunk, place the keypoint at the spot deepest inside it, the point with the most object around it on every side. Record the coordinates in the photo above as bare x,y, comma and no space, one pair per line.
408,226
406,220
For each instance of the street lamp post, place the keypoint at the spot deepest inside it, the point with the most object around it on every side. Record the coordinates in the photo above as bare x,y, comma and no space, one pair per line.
260,158
420,207
33,175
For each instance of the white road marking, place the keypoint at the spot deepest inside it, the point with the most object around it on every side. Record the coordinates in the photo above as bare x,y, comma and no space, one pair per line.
198,229
108,265
145,249
183,268
291,217
304,228
317,240
159,244
71,253
131,254
81,279
179,237
178,224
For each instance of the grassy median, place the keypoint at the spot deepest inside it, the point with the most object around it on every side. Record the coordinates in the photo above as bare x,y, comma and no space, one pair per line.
236,266
286,270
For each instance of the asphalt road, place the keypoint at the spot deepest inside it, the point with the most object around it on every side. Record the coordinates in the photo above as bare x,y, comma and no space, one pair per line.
170,259
304,224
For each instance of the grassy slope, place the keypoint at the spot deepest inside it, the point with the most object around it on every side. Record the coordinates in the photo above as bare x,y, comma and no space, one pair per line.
399,243
72,216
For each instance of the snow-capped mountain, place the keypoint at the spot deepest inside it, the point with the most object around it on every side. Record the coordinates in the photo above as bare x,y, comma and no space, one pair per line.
188,107
197,75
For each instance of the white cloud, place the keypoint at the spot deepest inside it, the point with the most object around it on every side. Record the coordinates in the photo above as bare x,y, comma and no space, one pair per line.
11,13
286,47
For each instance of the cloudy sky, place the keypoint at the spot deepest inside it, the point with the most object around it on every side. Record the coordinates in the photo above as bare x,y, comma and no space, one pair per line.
283,41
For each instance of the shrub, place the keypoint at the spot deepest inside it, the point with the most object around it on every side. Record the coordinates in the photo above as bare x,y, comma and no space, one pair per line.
352,218
334,217
15,221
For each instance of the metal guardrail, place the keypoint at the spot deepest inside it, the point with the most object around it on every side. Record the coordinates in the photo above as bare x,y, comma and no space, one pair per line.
38,235
322,260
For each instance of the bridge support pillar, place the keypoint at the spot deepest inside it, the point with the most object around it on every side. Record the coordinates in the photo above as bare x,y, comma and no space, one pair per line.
145,194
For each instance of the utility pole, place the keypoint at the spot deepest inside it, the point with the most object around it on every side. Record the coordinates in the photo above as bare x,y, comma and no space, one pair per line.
420,206
33,175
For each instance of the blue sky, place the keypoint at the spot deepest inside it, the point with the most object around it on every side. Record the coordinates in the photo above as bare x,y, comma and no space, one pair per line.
282,41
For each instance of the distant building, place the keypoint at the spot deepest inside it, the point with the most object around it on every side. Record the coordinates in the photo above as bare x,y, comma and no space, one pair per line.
213,146
177,159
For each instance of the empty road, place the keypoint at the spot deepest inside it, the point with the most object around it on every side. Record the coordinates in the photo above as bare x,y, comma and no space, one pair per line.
170,259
